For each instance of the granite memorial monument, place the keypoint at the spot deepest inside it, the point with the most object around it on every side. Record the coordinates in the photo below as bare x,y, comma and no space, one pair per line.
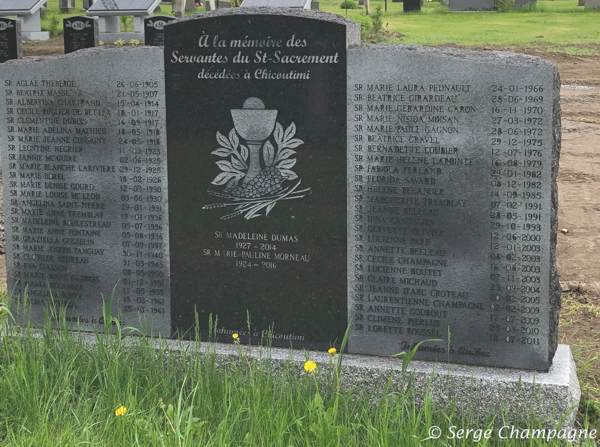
80,32
10,39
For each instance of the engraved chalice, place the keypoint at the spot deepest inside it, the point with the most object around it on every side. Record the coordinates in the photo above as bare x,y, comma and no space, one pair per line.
255,124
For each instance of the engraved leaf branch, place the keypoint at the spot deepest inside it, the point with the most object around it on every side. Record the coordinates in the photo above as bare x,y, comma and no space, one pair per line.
237,166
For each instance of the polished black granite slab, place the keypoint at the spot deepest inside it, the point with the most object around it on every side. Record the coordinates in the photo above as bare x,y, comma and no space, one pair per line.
256,116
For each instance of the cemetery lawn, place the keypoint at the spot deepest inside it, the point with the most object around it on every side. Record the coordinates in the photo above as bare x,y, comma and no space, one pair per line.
56,392
557,22
556,26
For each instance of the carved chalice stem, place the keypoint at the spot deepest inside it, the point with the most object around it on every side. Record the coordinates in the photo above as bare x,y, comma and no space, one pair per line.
254,167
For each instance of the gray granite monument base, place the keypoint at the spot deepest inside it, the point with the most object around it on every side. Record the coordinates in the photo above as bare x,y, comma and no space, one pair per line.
33,36
127,37
512,396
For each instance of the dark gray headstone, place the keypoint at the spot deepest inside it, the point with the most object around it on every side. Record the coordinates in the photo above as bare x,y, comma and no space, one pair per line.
315,6
257,172
10,39
411,5
154,30
452,205
81,32
224,4
190,5
472,5
84,163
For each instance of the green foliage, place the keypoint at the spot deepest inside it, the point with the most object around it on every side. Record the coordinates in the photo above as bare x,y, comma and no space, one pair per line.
119,42
134,42
125,21
366,25
54,24
378,21
505,5
57,389
348,4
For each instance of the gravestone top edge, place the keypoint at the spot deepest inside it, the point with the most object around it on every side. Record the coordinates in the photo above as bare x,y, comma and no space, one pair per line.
266,10
80,53
352,27
497,57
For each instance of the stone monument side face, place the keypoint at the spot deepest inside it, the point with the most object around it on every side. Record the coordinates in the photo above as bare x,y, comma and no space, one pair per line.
452,163
472,5
10,39
81,32
256,118
84,163
154,33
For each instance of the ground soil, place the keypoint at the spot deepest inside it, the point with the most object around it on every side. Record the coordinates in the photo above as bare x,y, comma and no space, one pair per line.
579,196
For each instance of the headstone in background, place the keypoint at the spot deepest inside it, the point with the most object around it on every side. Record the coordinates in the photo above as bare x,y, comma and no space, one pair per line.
521,3
452,201
155,33
224,4
80,32
472,5
411,5
367,7
111,13
257,178
85,173
87,4
315,6
66,6
10,39
209,5
178,6
592,3
190,5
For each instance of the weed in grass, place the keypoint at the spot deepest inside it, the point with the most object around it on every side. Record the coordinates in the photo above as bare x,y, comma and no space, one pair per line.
56,389
54,23
348,4
366,25
377,21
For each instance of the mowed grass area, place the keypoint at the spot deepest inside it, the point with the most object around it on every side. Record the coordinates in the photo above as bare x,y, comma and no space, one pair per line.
556,22
55,391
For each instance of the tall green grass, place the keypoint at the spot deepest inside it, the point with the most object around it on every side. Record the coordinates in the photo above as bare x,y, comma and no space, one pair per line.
56,389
